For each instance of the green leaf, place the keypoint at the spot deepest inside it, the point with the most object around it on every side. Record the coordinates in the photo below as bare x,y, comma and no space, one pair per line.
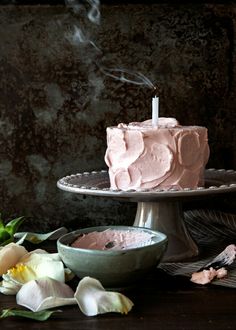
5,242
38,316
7,231
4,236
13,225
1,223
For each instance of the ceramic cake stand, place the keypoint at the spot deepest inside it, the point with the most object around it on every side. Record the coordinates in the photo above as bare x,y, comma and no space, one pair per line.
156,209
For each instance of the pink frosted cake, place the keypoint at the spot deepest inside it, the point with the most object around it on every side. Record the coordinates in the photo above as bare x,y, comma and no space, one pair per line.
140,156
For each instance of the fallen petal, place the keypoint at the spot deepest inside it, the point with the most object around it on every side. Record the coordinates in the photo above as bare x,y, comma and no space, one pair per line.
38,238
45,293
221,273
93,299
207,275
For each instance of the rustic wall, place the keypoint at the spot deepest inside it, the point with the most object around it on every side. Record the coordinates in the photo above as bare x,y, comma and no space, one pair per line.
56,103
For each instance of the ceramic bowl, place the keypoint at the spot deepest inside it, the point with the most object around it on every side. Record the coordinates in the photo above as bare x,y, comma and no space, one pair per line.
113,268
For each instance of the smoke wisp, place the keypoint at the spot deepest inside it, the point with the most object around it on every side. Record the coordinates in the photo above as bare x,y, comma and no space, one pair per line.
80,38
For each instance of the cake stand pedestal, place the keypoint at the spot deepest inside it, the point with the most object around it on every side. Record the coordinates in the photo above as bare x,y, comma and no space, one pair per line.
167,217
156,209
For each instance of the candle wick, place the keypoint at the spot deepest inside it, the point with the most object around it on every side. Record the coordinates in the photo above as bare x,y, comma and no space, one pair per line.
155,88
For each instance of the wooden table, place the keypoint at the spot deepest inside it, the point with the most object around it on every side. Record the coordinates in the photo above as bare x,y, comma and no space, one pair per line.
162,302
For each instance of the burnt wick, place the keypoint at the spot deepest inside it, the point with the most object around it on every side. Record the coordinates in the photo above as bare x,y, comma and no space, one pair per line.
156,91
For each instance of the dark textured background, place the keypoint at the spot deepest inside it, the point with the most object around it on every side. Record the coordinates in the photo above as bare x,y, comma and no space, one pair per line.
56,103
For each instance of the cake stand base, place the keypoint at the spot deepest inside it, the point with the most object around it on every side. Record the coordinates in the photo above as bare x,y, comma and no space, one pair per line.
167,217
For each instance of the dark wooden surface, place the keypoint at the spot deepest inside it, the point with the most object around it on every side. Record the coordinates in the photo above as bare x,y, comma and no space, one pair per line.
161,303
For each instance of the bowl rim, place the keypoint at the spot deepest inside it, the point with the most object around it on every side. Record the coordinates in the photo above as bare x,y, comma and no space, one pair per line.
163,239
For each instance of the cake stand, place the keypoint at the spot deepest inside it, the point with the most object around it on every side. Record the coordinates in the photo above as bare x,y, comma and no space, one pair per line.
156,209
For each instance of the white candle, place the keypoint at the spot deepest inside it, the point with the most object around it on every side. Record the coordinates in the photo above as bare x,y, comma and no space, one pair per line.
155,110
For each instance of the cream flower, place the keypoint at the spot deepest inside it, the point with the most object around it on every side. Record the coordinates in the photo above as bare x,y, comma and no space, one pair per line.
32,266
10,254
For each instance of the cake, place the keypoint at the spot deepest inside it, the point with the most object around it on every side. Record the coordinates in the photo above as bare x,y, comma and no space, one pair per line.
169,156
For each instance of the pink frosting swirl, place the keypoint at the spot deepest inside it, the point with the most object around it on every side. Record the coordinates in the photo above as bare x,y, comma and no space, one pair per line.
142,157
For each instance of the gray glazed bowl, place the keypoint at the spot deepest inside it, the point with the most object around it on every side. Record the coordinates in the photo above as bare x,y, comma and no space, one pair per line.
114,269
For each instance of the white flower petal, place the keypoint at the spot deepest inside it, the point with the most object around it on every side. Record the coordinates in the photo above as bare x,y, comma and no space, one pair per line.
38,238
36,265
21,240
8,278
93,299
43,254
9,288
51,302
45,293
10,254
46,265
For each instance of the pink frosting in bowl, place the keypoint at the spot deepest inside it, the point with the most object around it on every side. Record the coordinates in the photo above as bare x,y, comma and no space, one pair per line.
113,239
133,253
